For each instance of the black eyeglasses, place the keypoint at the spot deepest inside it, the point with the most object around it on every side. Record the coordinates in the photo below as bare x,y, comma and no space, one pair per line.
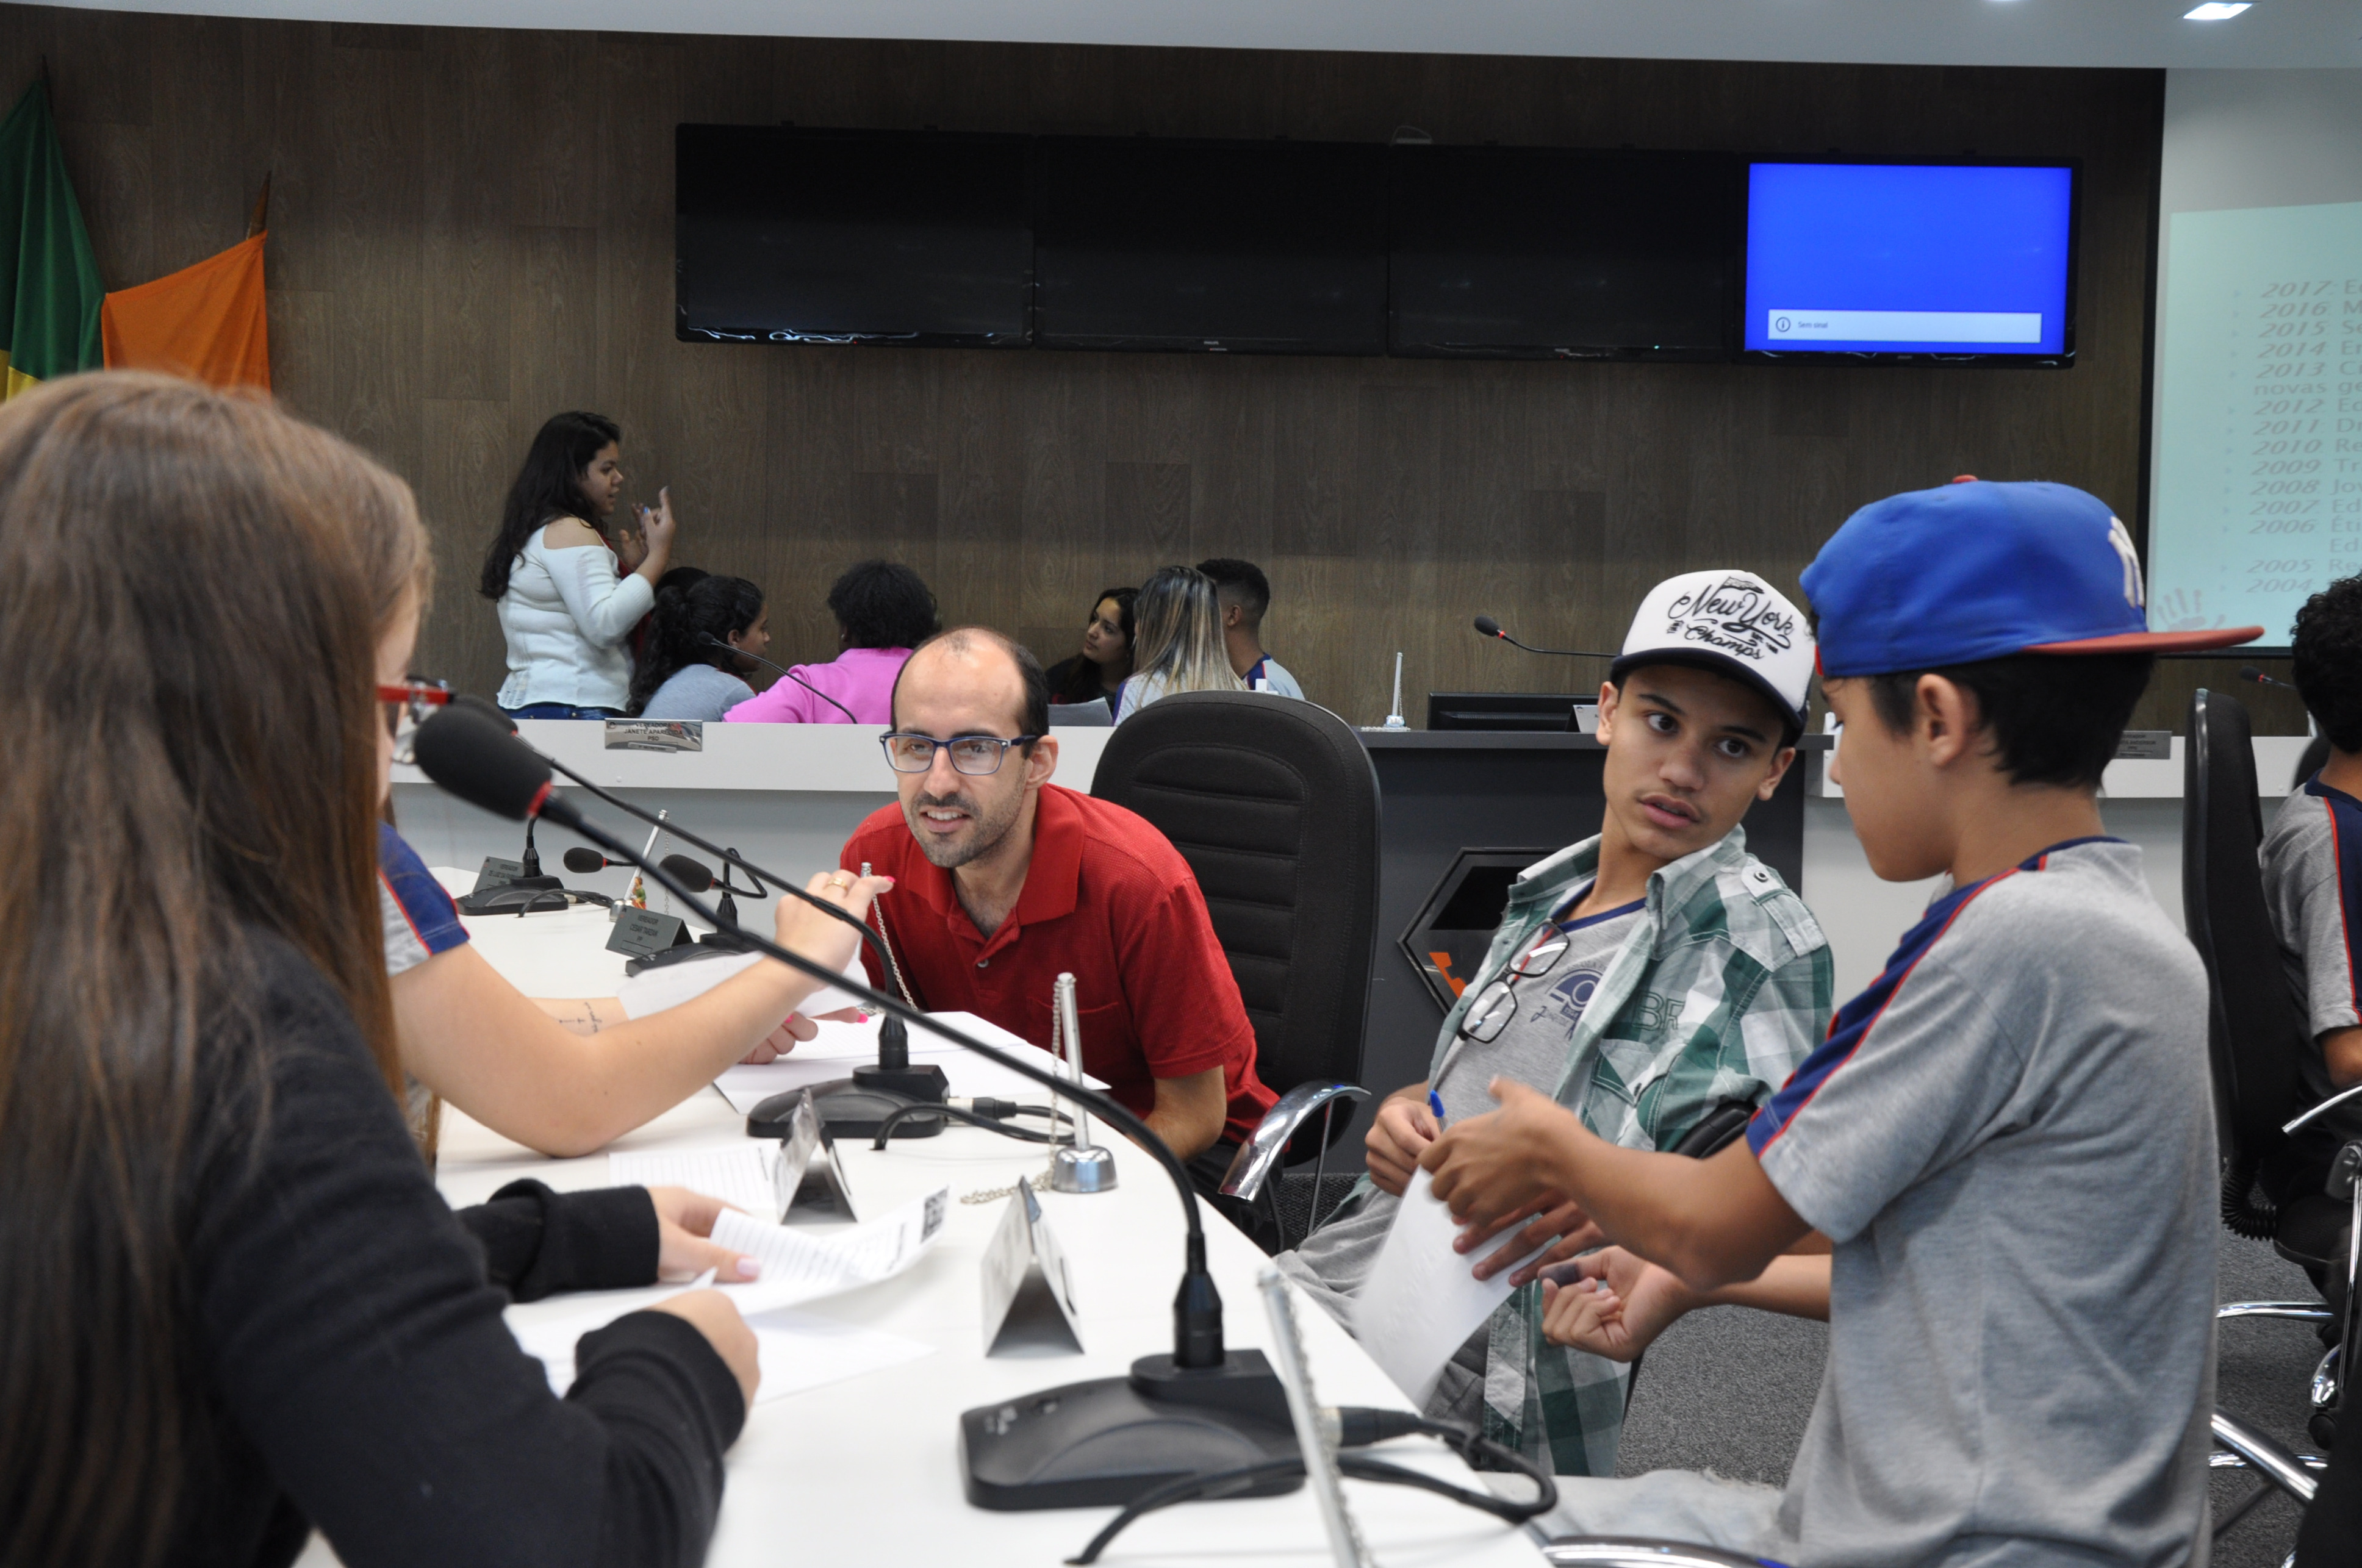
974,755
1497,1002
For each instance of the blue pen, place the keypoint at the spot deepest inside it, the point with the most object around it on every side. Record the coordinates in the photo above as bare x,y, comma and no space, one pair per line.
1435,1104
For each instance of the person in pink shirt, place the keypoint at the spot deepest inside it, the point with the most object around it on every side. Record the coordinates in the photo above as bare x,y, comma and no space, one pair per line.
883,610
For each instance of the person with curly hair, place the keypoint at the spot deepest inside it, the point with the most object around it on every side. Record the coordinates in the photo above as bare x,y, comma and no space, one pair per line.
883,610
2316,902
706,633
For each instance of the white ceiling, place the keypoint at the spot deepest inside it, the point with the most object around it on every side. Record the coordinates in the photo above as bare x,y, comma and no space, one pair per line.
2275,33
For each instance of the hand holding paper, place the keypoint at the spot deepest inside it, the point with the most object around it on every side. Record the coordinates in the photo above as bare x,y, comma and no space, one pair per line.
1421,1300
684,1221
1489,1167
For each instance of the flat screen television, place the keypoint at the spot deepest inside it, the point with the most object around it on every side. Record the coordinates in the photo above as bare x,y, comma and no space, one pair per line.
1539,253
1967,262
1212,246
789,236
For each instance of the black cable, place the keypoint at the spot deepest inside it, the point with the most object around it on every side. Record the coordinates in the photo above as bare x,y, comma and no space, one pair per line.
1189,1488
850,717
901,1113
1359,1466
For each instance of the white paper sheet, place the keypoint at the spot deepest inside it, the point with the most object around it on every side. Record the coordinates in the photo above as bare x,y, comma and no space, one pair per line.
653,990
738,1173
795,1350
1421,1302
802,1263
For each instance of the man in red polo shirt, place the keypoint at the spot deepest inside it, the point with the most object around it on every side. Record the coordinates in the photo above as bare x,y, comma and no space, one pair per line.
1003,881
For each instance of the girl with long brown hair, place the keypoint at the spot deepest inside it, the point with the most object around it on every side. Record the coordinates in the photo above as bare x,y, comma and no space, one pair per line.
232,1304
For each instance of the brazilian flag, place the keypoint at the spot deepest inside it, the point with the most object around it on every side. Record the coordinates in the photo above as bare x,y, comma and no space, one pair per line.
50,291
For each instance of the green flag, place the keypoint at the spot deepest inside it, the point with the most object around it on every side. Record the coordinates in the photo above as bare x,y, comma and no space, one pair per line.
48,279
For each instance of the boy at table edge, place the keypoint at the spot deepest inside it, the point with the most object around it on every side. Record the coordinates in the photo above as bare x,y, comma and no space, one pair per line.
1640,977
2008,1139
1004,881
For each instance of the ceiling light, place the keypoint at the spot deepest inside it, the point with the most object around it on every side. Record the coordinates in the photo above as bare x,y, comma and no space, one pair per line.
2215,11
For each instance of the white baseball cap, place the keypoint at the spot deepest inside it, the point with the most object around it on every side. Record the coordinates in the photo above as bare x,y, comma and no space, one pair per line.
1730,621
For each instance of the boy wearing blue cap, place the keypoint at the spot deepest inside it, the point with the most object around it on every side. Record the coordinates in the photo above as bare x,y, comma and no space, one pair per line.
2007,1140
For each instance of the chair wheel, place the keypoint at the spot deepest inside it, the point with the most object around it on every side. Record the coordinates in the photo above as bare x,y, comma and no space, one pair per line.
2322,1430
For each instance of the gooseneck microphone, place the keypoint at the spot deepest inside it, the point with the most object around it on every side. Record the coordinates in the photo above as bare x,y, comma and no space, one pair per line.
783,669
476,760
493,716
2249,672
1488,626
582,862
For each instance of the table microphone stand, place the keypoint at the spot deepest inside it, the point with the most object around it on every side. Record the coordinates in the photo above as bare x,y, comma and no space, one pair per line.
1082,1166
1198,1408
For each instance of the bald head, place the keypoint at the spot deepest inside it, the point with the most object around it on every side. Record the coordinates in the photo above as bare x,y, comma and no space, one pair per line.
972,681
975,679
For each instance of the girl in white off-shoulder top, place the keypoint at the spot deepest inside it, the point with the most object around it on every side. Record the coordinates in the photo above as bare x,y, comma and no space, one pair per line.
568,599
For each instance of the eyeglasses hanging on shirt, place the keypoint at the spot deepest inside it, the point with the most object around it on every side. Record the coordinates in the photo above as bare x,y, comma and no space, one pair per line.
1497,1002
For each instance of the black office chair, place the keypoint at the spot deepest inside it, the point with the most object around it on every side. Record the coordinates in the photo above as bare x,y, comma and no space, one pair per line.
1275,805
2276,1185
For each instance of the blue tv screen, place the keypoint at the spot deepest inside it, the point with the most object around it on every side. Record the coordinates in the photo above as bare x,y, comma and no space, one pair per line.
1910,260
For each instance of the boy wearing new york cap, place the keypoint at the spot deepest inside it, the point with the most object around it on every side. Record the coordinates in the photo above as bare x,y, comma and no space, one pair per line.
2008,1138
1639,977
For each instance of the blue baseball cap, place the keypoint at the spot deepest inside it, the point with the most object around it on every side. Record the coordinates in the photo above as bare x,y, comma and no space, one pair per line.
1974,570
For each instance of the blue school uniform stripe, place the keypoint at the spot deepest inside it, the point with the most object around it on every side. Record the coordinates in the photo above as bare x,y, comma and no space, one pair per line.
433,918
2346,841
1853,1022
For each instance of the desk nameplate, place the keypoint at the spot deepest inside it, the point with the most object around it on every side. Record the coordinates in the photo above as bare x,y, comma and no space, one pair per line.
1029,1297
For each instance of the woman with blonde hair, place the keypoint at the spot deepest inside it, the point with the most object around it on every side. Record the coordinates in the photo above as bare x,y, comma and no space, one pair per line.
232,1304
1180,646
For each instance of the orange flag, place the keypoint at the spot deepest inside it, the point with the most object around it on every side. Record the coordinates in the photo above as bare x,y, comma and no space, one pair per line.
205,322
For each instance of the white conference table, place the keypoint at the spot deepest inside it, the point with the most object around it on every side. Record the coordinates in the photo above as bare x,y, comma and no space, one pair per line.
868,1468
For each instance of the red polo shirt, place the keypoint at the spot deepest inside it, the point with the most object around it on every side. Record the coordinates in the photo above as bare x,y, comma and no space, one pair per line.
1107,899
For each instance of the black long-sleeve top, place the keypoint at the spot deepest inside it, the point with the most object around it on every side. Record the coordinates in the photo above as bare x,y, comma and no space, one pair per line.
355,1369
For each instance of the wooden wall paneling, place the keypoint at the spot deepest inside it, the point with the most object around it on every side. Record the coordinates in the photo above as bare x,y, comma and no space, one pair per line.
980,450
810,446
895,518
553,328
1479,555
286,114
468,464
1064,555
473,228
376,211
303,323
553,107
1148,515
204,157
1397,517
467,130
1227,420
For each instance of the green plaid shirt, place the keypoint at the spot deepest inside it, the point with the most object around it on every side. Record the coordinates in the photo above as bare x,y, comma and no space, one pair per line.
1722,988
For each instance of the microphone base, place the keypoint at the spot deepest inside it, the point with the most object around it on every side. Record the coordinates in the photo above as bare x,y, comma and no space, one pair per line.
1102,1443
514,897
1087,1169
855,1112
924,1082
